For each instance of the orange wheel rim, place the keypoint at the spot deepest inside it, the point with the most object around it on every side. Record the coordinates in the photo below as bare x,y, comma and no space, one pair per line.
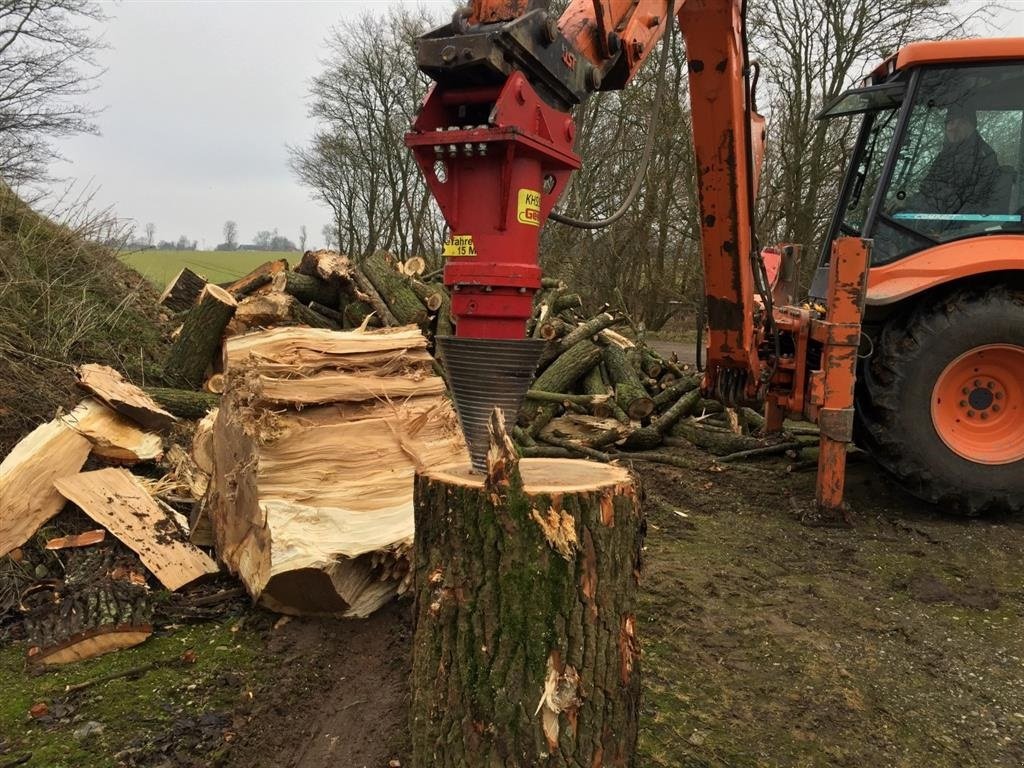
978,404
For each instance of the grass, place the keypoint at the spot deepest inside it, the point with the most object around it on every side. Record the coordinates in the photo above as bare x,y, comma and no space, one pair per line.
131,711
159,267
64,300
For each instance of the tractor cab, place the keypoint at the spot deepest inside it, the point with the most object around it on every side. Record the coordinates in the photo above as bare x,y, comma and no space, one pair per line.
939,157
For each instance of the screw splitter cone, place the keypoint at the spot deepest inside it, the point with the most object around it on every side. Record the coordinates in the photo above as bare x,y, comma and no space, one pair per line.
484,374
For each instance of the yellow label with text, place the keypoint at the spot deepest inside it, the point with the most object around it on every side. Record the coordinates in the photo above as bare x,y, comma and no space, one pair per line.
529,207
459,245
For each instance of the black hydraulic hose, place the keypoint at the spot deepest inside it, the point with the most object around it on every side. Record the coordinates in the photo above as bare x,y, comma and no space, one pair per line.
652,128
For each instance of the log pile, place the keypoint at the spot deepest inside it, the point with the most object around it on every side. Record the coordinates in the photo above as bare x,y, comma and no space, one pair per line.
601,392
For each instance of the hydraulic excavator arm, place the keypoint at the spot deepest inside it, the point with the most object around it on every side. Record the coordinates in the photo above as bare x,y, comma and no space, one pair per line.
494,140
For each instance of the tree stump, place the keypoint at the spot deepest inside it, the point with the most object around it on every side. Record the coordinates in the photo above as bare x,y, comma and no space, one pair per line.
525,650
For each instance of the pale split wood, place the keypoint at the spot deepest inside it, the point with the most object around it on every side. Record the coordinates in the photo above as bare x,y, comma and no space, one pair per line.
124,397
114,438
115,500
94,643
344,387
28,497
306,350
299,515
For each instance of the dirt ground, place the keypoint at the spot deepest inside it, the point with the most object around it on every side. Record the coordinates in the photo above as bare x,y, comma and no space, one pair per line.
897,642
766,643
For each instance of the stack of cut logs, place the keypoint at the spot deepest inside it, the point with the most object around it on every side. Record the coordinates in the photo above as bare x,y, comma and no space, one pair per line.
600,389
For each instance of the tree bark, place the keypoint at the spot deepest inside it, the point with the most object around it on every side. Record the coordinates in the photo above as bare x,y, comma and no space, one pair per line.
307,289
181,293
200,338
525,650
394,289
629,391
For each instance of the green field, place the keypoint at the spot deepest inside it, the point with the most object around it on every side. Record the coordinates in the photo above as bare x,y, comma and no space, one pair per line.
215,266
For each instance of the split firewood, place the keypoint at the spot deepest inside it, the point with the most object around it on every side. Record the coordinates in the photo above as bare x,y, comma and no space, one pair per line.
114,438
183,290
28,497
116,500
304,542
124,397
200,338
85,539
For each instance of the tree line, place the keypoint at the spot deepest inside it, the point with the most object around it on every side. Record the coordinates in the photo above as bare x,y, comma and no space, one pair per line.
808,51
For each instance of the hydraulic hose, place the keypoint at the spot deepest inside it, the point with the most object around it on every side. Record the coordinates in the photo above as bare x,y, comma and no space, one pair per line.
645,161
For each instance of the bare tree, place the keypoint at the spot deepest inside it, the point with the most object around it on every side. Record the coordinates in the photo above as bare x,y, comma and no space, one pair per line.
46,66
150,234
303,236
230,235
330,235
357,164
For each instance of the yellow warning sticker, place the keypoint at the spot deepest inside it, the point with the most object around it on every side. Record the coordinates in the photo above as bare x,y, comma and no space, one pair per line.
459,245
529,207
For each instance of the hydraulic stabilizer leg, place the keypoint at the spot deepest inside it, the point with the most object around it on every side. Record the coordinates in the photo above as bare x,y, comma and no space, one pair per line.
840,334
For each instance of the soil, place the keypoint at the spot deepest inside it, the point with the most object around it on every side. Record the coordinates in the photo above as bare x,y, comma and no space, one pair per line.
337,695
896,642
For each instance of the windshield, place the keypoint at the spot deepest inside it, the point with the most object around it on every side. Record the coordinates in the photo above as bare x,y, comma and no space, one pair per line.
958,164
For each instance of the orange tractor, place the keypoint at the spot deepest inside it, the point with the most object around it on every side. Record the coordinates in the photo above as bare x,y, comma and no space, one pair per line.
912,337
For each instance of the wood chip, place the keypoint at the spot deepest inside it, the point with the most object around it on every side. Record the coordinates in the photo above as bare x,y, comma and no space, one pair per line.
85,539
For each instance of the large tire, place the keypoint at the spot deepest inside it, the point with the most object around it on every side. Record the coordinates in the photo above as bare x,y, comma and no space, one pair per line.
934,448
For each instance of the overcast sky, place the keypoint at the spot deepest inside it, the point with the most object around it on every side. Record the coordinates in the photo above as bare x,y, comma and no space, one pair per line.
201,99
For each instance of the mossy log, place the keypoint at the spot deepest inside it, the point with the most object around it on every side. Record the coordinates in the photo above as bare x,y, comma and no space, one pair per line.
181,293
566,301
307,289
436,299
200,338
648,437
525,650
595,384
394,288
565,371
675,391
183,403
629,391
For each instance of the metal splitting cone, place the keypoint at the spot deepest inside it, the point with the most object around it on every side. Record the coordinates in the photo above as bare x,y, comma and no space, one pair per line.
484,374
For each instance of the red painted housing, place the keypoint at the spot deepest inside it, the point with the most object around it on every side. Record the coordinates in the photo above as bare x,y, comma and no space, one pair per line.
496,160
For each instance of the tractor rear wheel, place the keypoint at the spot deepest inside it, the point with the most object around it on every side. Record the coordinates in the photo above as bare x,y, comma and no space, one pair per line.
940,402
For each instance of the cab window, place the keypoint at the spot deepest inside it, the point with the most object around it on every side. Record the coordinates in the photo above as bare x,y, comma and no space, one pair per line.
958,167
